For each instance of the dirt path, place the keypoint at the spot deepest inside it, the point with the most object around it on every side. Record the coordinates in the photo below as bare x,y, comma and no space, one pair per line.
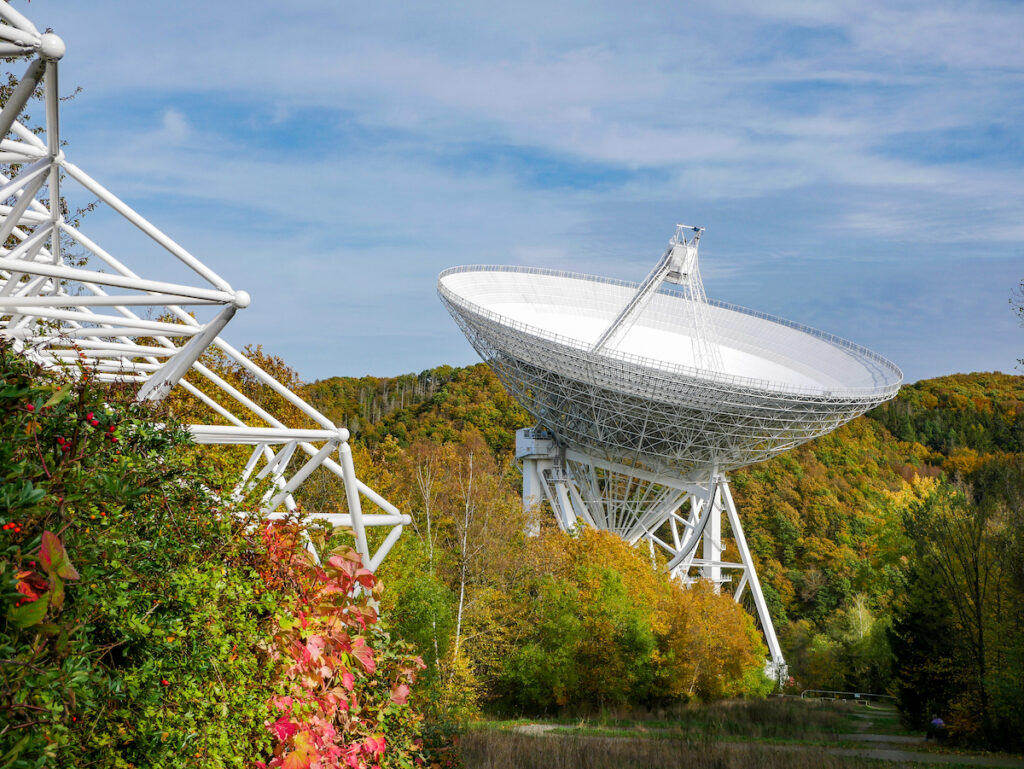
894,754
892,739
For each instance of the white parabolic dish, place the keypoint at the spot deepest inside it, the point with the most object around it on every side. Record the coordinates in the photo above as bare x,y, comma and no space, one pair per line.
642,401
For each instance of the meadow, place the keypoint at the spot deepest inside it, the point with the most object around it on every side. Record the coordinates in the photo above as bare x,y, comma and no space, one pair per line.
777,732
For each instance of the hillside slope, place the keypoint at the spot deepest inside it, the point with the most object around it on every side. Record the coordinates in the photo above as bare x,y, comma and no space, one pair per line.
868,539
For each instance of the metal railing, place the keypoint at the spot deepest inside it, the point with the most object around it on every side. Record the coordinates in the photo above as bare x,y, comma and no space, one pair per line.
828,694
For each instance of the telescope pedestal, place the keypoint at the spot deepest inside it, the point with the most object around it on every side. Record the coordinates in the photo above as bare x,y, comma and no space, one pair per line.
641,506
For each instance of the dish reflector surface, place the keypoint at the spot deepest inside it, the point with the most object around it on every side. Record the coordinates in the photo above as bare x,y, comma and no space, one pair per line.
642,400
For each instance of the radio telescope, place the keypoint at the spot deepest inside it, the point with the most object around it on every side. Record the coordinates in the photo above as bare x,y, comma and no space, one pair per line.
647,395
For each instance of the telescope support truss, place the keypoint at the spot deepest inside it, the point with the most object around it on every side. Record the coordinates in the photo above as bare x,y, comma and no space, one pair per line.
643,507
69,304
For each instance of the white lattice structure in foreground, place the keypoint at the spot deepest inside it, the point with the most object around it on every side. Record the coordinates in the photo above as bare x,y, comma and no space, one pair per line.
125,324
648,394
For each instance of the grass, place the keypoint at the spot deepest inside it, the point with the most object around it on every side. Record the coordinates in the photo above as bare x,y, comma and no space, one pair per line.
762,719
884,719
492,749
772,734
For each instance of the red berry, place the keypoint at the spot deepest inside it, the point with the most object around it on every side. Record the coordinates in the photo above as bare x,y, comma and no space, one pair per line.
17,530
111,429
94,422
65,447
89,416
30,407
165,682
113,439
61,441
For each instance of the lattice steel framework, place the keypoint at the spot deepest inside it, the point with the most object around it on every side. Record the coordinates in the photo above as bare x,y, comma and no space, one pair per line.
65,302
642,446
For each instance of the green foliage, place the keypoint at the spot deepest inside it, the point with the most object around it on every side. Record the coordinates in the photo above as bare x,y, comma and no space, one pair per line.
967,541
143,651
980,412
923,641
543,671
420,607
139,613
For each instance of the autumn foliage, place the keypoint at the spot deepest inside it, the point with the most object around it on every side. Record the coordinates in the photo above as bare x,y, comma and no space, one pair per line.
852,534
347,686
531,622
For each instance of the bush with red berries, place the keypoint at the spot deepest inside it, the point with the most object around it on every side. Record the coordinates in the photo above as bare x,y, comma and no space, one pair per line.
144,624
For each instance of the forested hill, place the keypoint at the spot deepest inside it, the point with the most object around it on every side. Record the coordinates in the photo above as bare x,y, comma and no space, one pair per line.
824,519
439,404
850,530
950,415
975,412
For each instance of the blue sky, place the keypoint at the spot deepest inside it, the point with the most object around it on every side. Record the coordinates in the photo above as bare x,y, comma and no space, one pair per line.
858,165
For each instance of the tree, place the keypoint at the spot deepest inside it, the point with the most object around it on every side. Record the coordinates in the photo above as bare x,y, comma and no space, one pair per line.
966,545
1017,303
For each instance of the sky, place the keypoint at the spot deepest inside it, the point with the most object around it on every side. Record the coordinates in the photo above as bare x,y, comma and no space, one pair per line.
858,166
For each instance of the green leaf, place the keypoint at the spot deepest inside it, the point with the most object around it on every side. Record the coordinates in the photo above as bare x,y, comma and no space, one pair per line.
14,752
60,395
56,591
30,613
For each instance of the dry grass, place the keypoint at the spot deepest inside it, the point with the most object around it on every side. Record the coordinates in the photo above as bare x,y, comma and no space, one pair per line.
494,749
759,719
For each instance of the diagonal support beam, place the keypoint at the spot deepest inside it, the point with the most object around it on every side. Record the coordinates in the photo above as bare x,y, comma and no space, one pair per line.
750,574
159,384
22,93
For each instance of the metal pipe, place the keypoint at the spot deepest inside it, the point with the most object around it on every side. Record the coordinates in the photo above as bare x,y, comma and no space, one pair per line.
352,496
17,211
106,279
22,93
53,149
160,384
16,19
139,221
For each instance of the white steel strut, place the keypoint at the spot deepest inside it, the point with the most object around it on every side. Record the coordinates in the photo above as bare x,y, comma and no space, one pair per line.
99,314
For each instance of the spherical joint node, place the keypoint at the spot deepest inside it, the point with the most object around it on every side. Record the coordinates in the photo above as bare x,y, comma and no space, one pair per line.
51,46
242,299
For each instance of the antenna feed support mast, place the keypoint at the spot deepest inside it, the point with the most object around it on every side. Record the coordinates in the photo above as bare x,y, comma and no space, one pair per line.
677,265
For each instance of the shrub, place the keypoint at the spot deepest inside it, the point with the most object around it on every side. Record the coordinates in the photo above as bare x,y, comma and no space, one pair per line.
142,619
348,684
